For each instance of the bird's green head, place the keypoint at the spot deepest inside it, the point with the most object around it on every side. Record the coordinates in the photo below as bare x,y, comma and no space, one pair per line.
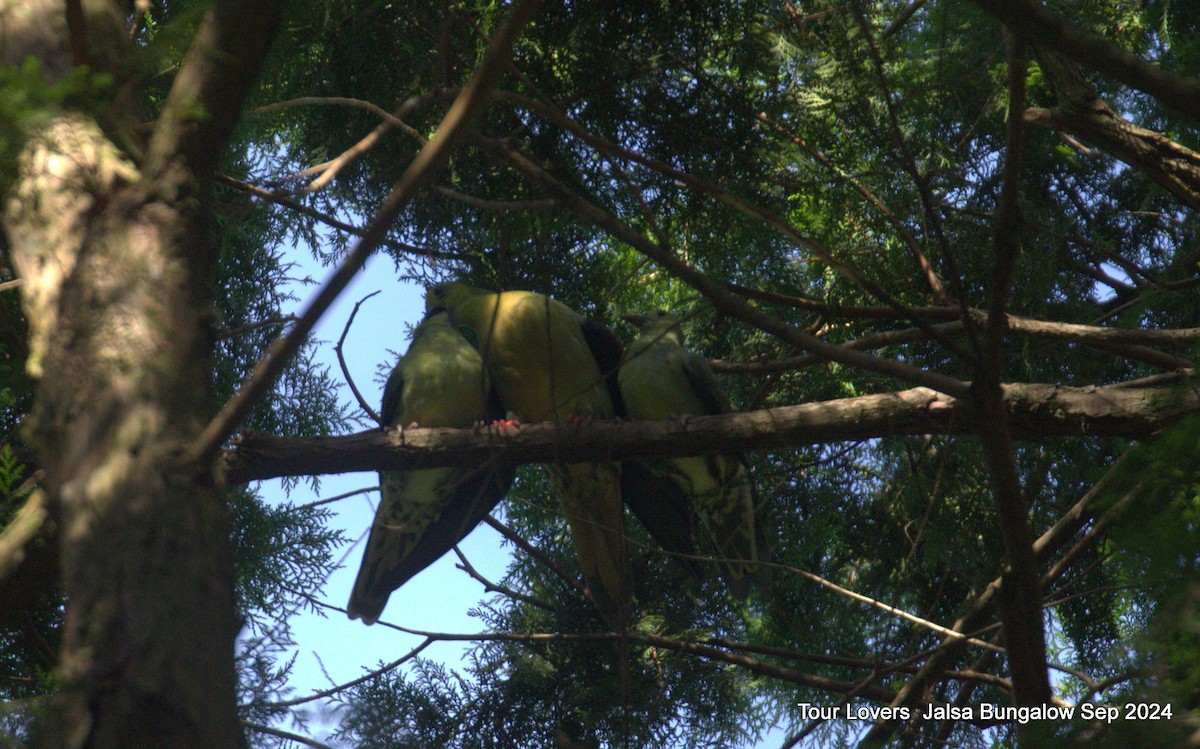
438,315
434,317
449,295
655,324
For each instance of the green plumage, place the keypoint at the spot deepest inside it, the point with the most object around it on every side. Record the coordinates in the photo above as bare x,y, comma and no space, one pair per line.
546,362
439,382
660,379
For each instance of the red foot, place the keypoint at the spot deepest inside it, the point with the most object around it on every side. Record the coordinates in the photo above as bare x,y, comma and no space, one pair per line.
505,424
579,420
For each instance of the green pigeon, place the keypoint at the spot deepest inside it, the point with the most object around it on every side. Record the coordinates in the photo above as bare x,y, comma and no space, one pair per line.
549,363
439,382
660,379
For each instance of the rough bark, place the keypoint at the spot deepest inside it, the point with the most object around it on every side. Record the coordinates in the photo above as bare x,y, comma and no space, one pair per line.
1082,113
121,360
115,262
1035,411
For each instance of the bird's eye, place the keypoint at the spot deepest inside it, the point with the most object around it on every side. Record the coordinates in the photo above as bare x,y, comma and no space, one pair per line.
439,291
661,313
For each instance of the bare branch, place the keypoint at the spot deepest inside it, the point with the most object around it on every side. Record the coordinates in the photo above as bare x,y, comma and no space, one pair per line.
932,626
430,159
1081,112
285,735
228,333
491,587
330,169
1034,21
337,498
497,205
875,340
360,680
902,19
757,666
1035,412
1019,599
325,218
537,554
362,402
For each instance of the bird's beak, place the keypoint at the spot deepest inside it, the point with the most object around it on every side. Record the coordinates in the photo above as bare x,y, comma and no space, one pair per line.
636,320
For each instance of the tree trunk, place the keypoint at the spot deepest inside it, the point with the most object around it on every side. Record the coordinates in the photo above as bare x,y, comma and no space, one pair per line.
116,261
116,314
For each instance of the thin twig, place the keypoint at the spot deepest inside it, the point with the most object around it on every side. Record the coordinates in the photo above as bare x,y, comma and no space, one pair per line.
497,205
902,19
491,587
285,735
243,329
362,402
328,170
338,498
537,554
287,202
932,626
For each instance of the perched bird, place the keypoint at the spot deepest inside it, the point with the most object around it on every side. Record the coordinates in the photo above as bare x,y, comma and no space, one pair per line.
439,382
548,363
660,379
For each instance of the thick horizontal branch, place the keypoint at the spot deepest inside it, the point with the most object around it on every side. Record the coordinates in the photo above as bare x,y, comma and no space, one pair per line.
1035,411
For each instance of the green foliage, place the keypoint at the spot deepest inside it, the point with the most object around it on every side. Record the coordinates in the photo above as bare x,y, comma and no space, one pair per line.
282,554
864,144
12,471
873,142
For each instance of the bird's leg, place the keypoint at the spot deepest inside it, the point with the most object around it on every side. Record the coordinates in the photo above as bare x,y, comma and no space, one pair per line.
510,422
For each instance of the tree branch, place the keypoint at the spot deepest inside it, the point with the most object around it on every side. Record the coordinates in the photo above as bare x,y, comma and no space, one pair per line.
362,402
739,204
907,159
721,298
1036,411
1084,114
207,96
294,205
260,728
978,607
1033,21
1019,599
430,159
